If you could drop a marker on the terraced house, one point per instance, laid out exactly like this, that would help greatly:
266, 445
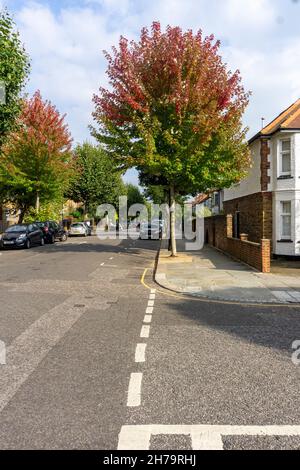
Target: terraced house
266, 204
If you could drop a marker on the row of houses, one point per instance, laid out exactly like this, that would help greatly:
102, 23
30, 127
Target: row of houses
266, 204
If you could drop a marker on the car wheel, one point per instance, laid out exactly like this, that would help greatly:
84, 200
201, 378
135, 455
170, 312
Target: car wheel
64, 238
28, 244
42, 242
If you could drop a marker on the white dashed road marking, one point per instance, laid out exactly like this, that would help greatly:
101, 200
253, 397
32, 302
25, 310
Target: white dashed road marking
134, 390
135, 382
140, 352
203, 437
145, 331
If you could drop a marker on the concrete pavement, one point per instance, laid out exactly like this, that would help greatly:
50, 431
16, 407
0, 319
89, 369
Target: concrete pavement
210, 274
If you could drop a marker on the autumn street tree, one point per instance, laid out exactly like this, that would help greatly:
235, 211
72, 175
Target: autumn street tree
36, 161
97, 179
174, 110
14, 69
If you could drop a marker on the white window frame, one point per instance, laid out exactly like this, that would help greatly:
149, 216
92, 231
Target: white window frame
284, 152
284, 214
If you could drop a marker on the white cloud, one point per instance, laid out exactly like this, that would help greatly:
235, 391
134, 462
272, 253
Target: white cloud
67, 61
65, 43
257, 13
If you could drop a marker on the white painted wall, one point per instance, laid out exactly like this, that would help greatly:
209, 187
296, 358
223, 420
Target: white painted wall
286, 190
292, 248
283, 189
250, 184
297, 159
285, 184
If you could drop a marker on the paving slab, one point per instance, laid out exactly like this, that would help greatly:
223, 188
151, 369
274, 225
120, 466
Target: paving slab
212, 274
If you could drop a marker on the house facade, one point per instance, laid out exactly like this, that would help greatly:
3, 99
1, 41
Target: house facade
266, 204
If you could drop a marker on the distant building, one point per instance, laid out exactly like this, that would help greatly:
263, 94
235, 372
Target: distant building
212, 201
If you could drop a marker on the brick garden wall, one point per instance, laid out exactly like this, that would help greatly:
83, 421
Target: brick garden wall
218, 233
255, 214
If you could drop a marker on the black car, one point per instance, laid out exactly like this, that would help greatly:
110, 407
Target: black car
52, 231
22, 236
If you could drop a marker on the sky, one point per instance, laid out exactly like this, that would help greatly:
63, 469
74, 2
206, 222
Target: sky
66, 38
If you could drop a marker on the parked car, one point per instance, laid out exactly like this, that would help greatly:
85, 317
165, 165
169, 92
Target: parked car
22, 236
79, 228
150, 231
52, 231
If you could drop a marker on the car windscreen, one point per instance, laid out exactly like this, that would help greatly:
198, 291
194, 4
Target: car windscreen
16, 228
77, 225
40, 224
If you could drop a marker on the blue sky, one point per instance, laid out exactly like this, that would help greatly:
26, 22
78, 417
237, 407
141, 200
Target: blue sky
65, 40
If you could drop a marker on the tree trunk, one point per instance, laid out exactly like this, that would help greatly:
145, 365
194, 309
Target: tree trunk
168, 200
172, 221
21, 216
37, 204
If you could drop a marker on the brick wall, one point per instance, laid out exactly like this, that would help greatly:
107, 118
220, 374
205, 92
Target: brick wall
255, 214
218, 233
264, 164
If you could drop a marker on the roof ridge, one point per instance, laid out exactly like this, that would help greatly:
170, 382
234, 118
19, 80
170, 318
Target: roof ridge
291, 117
280, 119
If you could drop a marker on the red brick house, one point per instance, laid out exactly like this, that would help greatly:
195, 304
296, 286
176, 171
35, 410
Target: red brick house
266, 204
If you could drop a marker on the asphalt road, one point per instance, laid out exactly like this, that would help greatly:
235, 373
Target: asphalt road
97, 359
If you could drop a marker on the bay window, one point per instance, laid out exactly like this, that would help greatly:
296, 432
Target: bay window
285, 157
286, 220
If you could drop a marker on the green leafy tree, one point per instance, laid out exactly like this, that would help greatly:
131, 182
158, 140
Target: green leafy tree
97, 179
48, 211
14, 69
134, 195
36, 159
156, 194
174, 111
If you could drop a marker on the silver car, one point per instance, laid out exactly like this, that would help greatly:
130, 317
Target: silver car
78, 229
150, 231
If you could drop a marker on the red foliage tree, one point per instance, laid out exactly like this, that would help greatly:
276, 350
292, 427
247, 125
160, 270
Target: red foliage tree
36, 160
174, 111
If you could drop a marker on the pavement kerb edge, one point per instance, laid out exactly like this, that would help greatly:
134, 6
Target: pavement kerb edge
203, 298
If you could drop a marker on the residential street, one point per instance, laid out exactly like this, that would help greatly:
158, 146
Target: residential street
72, 315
